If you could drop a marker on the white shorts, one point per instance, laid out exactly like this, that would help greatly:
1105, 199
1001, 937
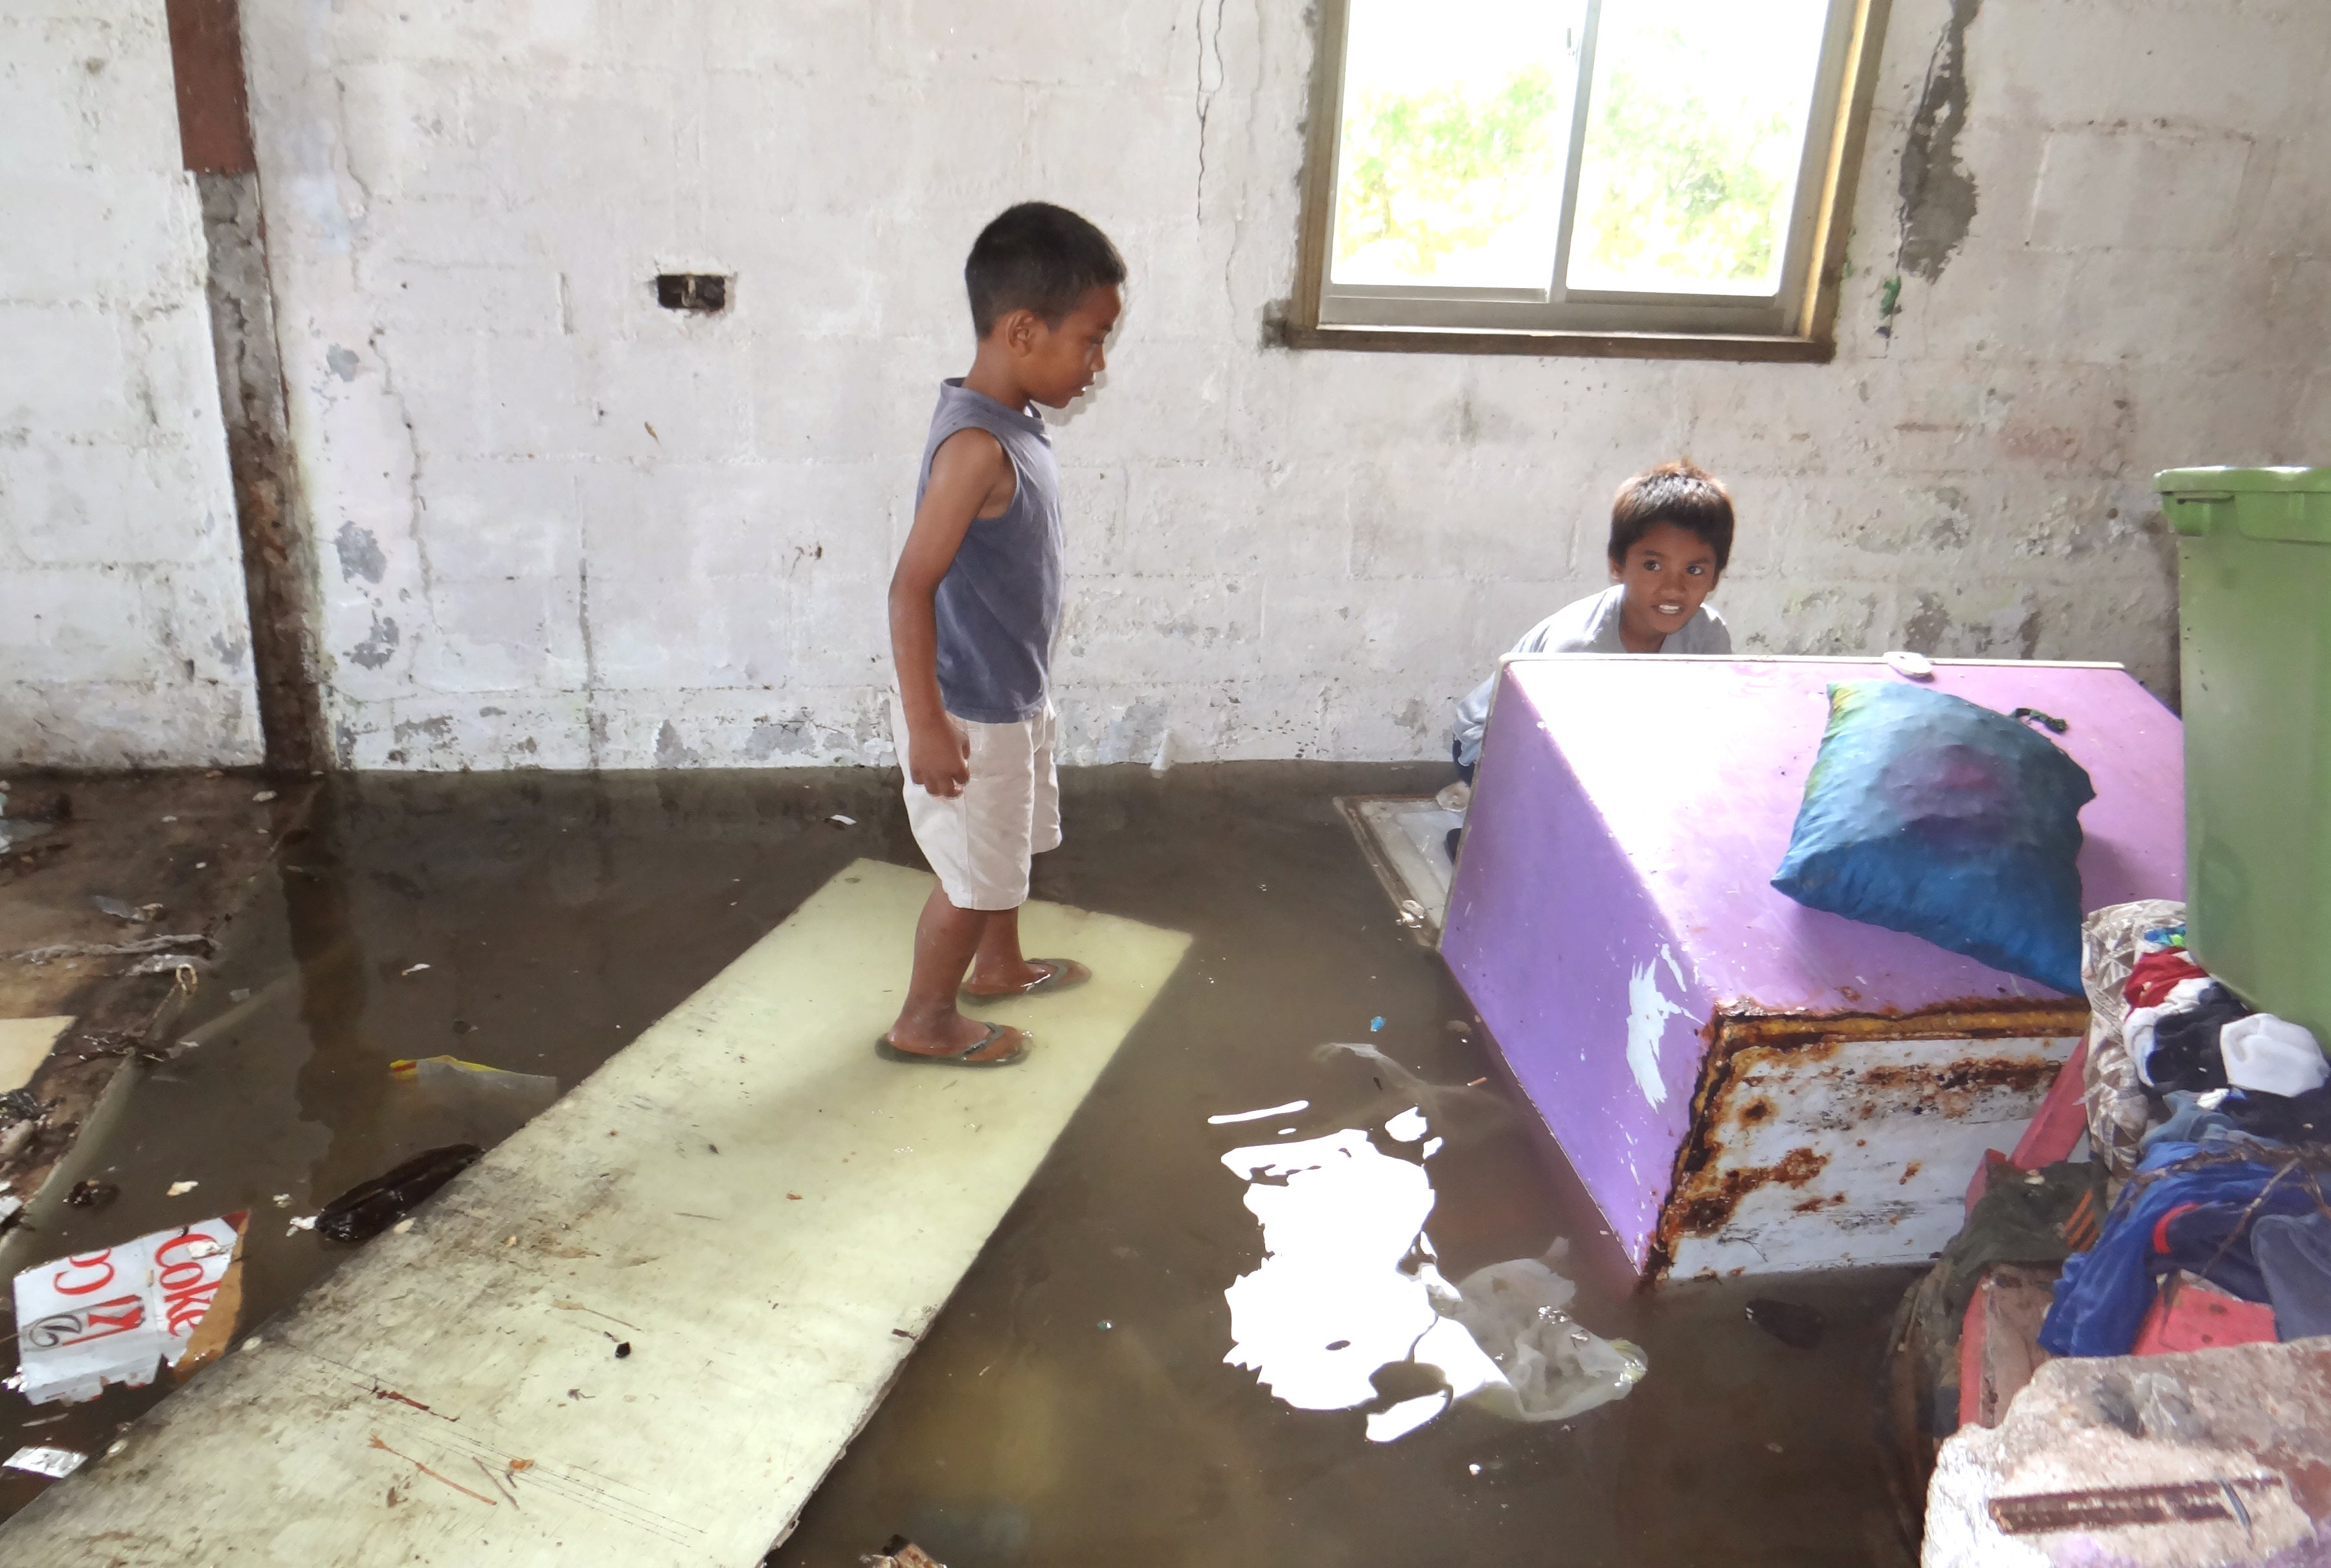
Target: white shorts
979, 841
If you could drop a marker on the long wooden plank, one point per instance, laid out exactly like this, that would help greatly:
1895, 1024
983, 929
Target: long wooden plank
765, 1212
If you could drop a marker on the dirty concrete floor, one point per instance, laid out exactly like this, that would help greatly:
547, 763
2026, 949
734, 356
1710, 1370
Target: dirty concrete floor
557, 915
182, 848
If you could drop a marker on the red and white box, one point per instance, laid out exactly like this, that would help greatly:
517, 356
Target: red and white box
112, 1315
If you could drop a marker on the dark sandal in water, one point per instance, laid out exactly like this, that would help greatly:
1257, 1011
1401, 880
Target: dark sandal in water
1058, 974
967, 1057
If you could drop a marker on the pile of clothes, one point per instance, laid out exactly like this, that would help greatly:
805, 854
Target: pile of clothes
2216, 1118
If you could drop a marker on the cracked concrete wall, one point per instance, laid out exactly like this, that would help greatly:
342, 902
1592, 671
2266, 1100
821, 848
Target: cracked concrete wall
561, 527
124, 637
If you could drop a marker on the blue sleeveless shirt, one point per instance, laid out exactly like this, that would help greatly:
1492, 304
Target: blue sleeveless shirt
999, 603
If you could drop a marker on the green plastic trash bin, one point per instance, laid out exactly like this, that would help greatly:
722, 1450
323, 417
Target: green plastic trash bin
2254, 605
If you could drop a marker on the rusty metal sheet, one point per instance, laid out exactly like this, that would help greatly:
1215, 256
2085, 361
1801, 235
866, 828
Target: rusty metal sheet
1822, 1144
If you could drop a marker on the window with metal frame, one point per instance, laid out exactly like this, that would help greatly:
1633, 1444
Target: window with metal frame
1654, 177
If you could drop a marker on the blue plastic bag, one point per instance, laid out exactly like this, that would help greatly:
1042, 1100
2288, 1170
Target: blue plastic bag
1929, 813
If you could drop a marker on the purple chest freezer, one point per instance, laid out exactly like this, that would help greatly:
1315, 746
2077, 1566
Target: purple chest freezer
1742, 1084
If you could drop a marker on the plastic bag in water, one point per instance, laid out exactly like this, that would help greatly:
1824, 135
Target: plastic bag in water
1517, 1312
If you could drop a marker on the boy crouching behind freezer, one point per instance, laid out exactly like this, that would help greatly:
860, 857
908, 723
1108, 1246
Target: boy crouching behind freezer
1670, 540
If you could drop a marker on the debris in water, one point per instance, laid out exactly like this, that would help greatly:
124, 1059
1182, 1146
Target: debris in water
1348, 1309
187, 967
1465, 1112
1794, 1325
92, 1193
126, 912
411, 970
899, 1552
364, 1211
263, 797
113, 1314
840, 821
1517, 1312
622, 1349
180, 1189
1375, 1024
282, 1200
1104, 1325
55, 1463
450, 1075
192, 942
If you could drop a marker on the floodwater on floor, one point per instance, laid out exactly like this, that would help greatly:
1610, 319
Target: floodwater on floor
1073, 1404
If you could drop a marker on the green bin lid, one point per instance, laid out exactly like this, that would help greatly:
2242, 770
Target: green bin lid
2292, 505
2279, 481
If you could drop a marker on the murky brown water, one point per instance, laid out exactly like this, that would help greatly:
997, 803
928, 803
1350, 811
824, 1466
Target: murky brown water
559, 916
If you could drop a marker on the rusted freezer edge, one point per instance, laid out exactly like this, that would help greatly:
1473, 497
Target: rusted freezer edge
1703, 1194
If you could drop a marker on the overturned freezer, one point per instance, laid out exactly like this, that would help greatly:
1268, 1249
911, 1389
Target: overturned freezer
1744, 1085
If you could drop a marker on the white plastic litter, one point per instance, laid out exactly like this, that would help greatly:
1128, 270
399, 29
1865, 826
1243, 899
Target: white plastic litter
110, 1315
1916, 666
1348, 1287
55, 1463
1554, 1369
2272, 1055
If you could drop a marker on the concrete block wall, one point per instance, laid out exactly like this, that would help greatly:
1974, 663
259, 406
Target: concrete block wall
124, 636
561, 526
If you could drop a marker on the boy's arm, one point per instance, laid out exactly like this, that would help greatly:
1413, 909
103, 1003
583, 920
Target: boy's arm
968, 472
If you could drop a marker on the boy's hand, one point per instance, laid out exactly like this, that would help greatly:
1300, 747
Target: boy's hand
938, 757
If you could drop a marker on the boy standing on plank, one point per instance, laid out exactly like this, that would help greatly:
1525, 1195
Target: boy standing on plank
974, 604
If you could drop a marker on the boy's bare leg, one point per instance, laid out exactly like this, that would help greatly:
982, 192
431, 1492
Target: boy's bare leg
998, 964
945, 938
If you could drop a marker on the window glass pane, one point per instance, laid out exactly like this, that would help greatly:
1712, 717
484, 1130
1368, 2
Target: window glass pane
1456, 131
1694, 134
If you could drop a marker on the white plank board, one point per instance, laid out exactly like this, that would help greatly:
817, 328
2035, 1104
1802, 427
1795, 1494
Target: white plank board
764, 1327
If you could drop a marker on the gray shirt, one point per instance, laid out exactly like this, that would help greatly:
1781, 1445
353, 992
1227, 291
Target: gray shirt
999, 603
1588, 626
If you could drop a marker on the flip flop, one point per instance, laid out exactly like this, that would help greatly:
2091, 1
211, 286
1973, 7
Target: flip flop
1060, 975
889, 1052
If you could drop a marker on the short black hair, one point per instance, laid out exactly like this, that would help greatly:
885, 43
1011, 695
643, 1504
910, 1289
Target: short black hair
1680, 492
1037, 257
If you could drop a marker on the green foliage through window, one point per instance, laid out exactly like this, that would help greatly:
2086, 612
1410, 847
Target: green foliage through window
1677, 185
1442, 171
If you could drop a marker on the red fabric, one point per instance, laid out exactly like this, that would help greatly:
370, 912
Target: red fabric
2056, 1127
2156, 975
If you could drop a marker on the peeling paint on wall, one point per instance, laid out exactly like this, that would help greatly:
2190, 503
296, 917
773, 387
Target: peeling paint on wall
360, 553
378, 648
1938, 195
